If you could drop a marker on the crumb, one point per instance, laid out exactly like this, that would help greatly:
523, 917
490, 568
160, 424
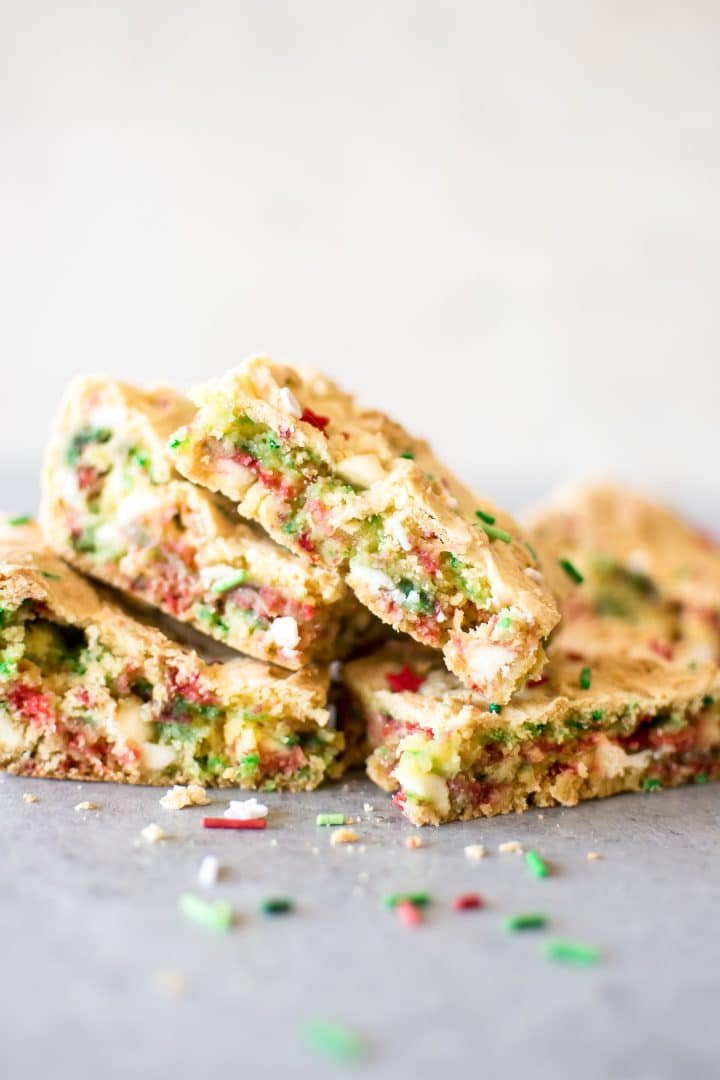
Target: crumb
153, 833
593, 856
363, 877
315, 850
246, 810
368, 807
413, 842
28, 798
475, 851
86, 805
346, 787
273, 841
178, 797
343, 836
362, 849
541, 817
511, 847
169, 982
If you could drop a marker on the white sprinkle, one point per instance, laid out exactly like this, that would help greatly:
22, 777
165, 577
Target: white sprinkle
178, 797
153, 833
368, 807
284, 632
86, 806
289, 402
363, 877
246, 810
28, 798
475, 851
397, 531
315, 850
511, 847
534, 574
209, 871
273, 841
440, 617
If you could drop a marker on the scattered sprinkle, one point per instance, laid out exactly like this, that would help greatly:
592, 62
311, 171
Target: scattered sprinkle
212, 916
532, 921
405, 679
86, 806
368, 807
597, 714
21, 519
651, 783
487, 518
332, 1041
419, 899
537, 866
152, 833
593, 856
29, 798
413, 842
330, 819
468, 902
494, 533
475, 851
408, 456
175, 442
511, 847
408, 913
179, 796
208, 871
571, 952
230, 581
585, 678
233, 823
344, 836
572, 572
493, 707
246, 810
51, 577
276, 905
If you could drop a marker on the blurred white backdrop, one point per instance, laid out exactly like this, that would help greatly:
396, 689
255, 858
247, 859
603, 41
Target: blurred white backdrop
498, 221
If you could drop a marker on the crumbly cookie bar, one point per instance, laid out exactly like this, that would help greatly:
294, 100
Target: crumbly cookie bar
114, 506
641, 564
349, 488
584, 731
87, 692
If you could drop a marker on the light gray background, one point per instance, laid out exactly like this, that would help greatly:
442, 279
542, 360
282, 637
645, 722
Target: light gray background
500, 221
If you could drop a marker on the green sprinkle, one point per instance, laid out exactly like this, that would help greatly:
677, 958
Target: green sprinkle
585, 678
537, 866
216, 916
708, 700
229, 582
51, 577
701, 778
651, 783
21, 519
532, 550
408, 456
330, 819
495, 533
175, 442
493, 707
532, 921
334, 1042
571, 952
487, 518
276, 905
597, 714
419, 899
571, 571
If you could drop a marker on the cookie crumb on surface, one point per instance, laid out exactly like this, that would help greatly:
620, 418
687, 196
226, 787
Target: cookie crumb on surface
152, 833
475, 851
344, 836
179, 796
169, 982
86, 805
511, 847
593, 856
29, 798
368, 807
246, 810
413, 842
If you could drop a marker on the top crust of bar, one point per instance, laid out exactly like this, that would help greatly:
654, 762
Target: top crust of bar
366, 448
442, 704
30, 571
152, 416
645, 537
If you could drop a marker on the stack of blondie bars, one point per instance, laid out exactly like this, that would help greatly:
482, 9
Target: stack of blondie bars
252, 541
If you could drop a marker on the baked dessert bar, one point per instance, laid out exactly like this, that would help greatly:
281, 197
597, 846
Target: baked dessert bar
584, 731
641, 564
114, 506
350, 489
88, 692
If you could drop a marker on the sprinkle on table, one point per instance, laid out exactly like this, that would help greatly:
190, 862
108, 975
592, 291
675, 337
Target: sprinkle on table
494, 533
651, 783
419, 899
571, 952
405, 679
572, 572
529, 921
216, 916
276, 905
208, 871
475, 851
487, 518
330, 819
468, 902
332, 1041
233, 823
511, 847
408, 913
585, 678
21, 519
537, 866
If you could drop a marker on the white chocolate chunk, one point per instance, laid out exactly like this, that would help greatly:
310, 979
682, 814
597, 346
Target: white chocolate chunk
362, 469
284, 632
289, 403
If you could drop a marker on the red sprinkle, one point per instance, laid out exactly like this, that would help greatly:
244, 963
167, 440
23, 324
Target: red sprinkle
468, 902
404, 680
320, 422
662, 648
233, 823
408, 914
